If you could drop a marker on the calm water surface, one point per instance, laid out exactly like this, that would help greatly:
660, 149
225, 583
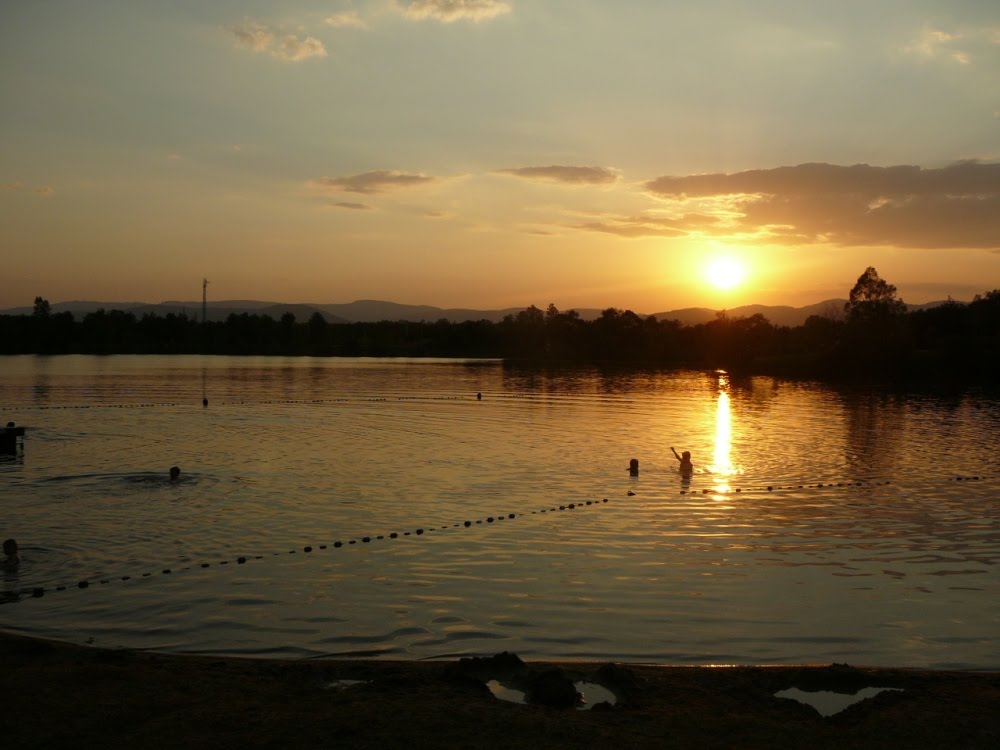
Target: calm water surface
893, 561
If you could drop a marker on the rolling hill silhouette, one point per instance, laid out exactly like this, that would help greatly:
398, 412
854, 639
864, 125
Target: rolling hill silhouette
363, 311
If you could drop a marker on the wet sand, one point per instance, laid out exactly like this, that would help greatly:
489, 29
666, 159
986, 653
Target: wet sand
64, 695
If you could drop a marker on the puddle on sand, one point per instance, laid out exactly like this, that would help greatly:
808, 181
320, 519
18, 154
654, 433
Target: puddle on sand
505, 693
827, 702
343, 684
591, 692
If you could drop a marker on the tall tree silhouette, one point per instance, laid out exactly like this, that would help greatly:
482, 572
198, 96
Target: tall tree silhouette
873, 299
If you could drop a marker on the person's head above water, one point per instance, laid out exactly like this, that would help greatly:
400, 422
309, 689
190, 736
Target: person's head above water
633, 467
175, 472
10, 549
686, 455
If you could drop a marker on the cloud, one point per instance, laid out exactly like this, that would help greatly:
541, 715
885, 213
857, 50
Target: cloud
568, 175
645, 225
371, 182
254, 36
961, 178
352, 206
45, 191
901, 206
449, 11
930, 42
284, 47
349, 20
962, 47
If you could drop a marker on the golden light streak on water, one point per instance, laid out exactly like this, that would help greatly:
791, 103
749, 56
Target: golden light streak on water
722, 463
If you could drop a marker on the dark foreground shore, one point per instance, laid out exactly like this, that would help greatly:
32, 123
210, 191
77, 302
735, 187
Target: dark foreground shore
61, 695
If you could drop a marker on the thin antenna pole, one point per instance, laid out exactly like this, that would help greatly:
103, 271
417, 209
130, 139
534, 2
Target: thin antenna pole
204, 300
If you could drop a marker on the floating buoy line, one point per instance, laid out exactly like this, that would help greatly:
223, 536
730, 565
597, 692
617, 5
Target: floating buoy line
809, 486
281, 402
242, 402
37, 592
276, 401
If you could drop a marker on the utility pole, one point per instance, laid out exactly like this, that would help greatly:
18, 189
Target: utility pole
204, 300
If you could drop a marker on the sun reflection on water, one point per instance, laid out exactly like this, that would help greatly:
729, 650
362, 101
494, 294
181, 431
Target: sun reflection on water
722, 463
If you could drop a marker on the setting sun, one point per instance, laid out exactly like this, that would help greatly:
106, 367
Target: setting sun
725, 273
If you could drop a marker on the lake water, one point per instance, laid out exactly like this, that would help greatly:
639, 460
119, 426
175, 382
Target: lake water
892, 561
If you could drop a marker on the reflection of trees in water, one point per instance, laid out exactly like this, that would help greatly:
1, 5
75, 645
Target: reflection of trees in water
892, 435
545, 380
748, 393
876, 433
576, 379
41, 388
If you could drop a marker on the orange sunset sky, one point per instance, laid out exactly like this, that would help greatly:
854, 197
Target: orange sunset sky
641, 154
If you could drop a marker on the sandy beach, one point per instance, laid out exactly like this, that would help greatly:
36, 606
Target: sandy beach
65, 695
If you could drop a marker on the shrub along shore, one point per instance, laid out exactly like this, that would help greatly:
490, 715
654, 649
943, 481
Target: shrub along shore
875, 339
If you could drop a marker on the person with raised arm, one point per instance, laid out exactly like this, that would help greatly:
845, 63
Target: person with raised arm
686, 467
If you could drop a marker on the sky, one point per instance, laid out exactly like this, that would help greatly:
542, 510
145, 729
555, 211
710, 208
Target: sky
643, 154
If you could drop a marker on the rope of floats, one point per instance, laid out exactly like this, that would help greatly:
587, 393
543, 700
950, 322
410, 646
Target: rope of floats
256, 402
37, 592
243, 402
807, 486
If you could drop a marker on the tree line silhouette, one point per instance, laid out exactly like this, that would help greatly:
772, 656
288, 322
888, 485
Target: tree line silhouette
875, 336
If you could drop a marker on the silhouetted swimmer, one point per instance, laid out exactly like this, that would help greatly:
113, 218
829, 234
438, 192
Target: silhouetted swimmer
11, 554
8, 437
175, 473
686, 468
204, 402
479, 397
633, 467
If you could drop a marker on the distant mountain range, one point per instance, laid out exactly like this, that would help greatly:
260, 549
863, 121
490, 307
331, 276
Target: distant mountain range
374, 310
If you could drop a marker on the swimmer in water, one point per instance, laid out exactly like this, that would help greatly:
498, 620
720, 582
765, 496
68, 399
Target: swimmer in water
175, 473
633, 467
686, 467
12, 555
